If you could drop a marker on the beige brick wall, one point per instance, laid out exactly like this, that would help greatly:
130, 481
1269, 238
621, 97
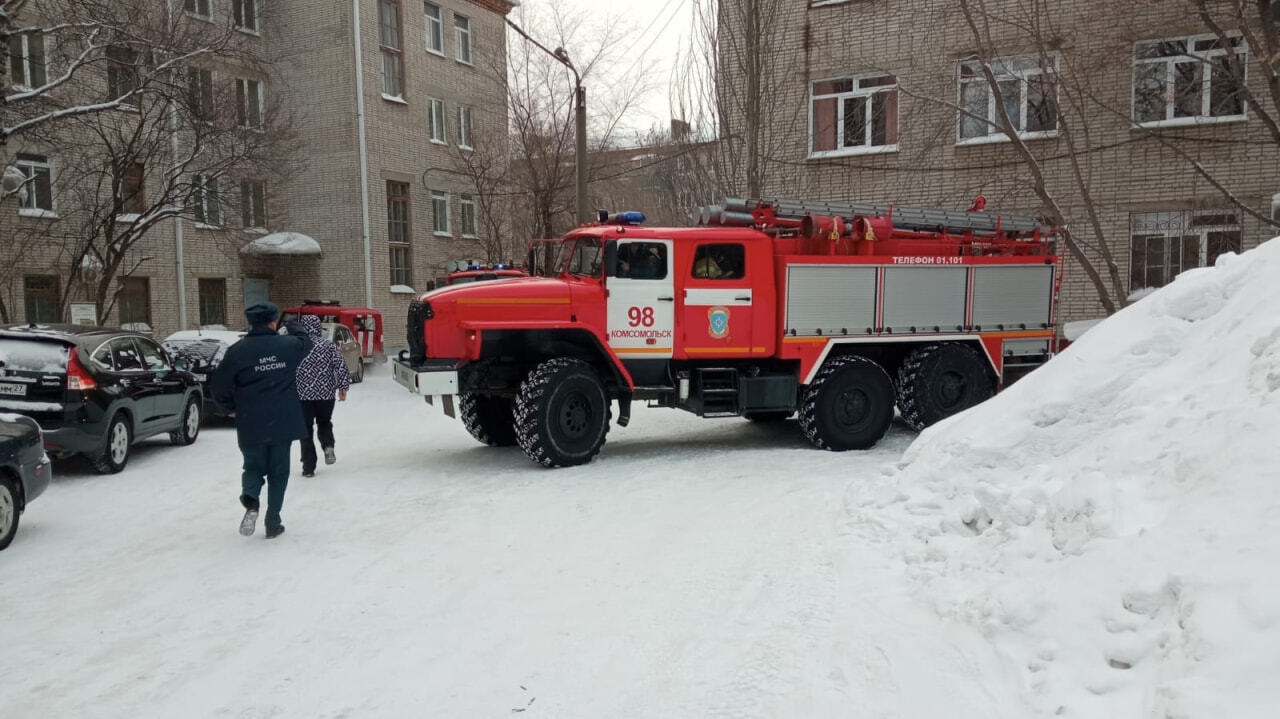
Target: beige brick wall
311, 44
921, 41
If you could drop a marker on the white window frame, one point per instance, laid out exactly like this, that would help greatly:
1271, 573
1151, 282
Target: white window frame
205, 195
393, 54
999, 66
206, 15
1205, 58
29, 166
440, 196
256, 27
24, 39
192, 73
242, 100
467, 203
247, 201
434, 27
464, 127
1178, 224
840, 97
437, 130
462, 40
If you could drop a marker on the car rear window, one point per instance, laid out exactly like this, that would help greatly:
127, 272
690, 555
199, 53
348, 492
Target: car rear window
33, 356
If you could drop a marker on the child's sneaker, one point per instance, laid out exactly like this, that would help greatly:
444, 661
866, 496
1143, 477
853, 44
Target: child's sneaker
329, 456
249, 523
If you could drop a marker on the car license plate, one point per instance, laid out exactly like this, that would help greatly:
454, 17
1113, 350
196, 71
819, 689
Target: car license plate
14, 389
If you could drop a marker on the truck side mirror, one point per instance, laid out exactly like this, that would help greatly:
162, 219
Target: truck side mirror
610, 258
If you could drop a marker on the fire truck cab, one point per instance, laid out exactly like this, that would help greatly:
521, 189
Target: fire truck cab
764, 311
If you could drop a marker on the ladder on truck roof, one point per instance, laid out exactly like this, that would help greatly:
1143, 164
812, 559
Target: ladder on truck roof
917, 219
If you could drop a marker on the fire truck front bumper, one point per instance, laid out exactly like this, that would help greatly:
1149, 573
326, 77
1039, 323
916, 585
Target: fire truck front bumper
428, 378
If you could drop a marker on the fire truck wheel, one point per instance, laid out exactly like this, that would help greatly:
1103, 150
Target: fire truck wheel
488, 418
849, 405
562, 413
937, 381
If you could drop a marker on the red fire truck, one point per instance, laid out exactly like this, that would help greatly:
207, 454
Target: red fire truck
765, 310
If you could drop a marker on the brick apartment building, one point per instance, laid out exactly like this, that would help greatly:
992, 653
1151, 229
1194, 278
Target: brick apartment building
382, 102
864, 98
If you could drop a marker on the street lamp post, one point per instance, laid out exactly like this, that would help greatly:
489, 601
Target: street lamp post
580, 122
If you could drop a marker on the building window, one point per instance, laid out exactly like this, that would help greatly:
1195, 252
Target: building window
464, 127
253, 204
135, 303
389, 39
1026, 89
852, 115
40, 295
462, 38
130, 192
200, 93
435, 28
468, 216
435, 120
398, 236
245, 14
1165, 243
122, 72
199, 8
213, 301
38, 199
250, 103
27, 61
1186, 80
440, 213
205, 203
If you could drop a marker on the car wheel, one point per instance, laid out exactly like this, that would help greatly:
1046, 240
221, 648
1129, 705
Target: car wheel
358, 377
9, 510
115, 455
190, 429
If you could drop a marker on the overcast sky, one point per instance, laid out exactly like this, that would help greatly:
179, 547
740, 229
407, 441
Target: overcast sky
662, 26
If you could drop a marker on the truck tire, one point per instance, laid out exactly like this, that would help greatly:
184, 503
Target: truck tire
562, 413
489, 418
937, 381
849, 405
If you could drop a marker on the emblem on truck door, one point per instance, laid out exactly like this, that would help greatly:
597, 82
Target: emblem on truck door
718, 322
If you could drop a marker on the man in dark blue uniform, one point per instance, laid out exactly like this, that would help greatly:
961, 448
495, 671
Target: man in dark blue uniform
256, 382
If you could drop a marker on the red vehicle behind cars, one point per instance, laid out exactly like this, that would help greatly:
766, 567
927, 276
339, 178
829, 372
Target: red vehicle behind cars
364, 323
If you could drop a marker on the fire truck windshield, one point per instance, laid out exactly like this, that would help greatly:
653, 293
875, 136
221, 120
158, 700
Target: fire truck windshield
585, 258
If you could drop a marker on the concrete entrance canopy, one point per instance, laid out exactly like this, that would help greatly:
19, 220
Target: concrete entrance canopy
282, 243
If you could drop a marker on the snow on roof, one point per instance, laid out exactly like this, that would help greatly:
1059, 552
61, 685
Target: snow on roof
226, 336
402, 290
282, 243
1108, 522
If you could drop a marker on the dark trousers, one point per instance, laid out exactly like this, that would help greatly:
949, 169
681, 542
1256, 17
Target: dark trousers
266, 464
319, 416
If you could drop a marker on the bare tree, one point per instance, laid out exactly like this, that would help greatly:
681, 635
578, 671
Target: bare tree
540, 96
486, 167
157, 139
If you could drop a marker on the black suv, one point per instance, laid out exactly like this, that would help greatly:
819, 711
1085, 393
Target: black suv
96, 391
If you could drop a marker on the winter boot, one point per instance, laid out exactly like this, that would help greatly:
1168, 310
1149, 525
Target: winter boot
329, 456
250, 521
273, 532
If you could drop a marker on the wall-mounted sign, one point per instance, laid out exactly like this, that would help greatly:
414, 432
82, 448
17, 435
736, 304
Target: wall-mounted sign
84, 313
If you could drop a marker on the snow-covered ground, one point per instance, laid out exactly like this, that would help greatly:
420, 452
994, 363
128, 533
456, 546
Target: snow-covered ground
1094, 542
697, 568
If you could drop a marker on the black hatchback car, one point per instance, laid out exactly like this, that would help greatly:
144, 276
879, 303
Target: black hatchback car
96, 391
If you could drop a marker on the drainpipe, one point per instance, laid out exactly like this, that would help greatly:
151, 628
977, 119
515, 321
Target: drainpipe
180, 264
364, 157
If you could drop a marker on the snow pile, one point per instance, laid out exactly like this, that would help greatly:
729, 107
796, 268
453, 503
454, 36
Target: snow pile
282, 243
1106, 522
